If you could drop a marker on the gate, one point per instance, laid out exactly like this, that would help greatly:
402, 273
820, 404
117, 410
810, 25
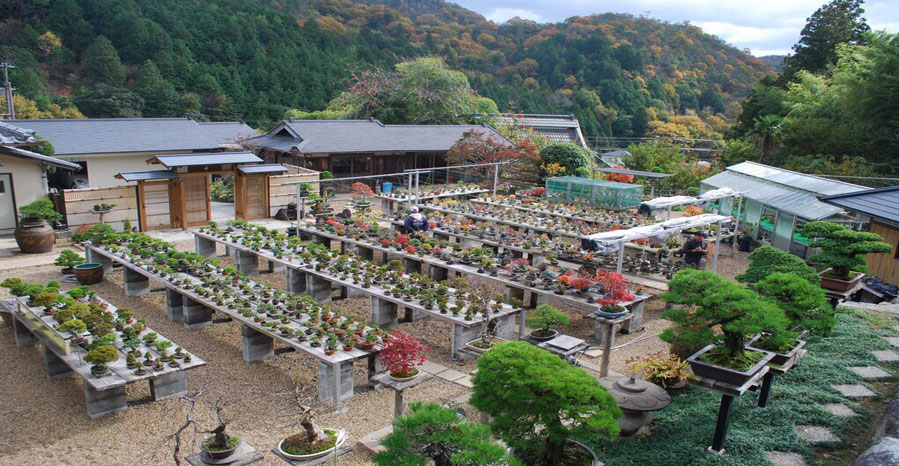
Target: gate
256, 197
196, 203
155, 208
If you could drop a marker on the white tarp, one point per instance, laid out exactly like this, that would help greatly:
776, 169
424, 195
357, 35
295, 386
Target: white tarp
608, 241
708, 196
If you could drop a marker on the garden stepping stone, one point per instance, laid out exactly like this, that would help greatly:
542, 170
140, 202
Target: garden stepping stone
451, 375
465, 382
372, 441
893, 340
886, 355
896, 328
816, 434
839, 409
854, 391
432, 368
871, 372
780, 458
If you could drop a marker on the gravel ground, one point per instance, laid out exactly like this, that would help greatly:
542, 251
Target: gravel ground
45, 422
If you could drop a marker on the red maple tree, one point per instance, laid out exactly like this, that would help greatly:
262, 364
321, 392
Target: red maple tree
401, 353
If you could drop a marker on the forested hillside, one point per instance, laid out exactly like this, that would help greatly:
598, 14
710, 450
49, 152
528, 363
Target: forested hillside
252, 60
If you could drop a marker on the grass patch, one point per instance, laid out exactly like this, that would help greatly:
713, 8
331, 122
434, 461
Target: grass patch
683, 430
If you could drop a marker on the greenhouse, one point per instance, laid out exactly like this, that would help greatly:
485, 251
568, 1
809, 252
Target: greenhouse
607, 194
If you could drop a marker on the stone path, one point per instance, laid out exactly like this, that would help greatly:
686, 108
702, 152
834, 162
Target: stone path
854, 391
871, 372
816, 434
447, 374
886, 355
839, 409
779, 458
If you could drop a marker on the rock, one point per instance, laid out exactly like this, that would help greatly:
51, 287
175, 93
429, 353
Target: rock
883, 453
889, 421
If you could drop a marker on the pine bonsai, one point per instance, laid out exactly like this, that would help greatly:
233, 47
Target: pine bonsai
101, 355
724, 314
68, 259
538, 401
546, 318
40, 210
842, 249
803, 303
767, 260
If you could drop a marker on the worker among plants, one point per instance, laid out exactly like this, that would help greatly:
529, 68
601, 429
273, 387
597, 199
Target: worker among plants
694, 250
416, 222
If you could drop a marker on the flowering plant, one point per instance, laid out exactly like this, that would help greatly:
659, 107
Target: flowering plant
333, 223
385, 242
401, 353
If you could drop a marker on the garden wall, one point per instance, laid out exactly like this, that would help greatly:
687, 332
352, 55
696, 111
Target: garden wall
281, 193
79, 202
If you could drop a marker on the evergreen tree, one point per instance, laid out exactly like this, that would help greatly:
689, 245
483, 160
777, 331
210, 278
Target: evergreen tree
160, 98
838, 22
101, 63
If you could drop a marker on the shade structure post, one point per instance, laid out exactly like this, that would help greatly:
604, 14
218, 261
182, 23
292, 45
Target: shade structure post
495, 178
417, 186
620, 256
717, 246
409, 197
737, 222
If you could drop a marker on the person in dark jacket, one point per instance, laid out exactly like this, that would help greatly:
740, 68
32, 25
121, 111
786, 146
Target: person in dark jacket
694, 250
416, 222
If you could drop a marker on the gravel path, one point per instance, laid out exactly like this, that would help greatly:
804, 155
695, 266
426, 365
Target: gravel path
45, 422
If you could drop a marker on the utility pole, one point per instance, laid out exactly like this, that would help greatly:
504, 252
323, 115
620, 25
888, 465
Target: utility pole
10, 108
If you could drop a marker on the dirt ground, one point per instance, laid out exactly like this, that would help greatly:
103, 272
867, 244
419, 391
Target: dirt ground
45, 422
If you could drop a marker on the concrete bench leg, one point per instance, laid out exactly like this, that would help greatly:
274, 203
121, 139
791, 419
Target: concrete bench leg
505, 327
331, 380
383, 312
318, 288
168, 385
537, 259
136, 284
196, 315
514, 292
600, 331
411, 266
438, 273
296, 281
256, 345
350, 292
441, 236
463, 335
636, 320
364, 253
23, 336
97, 258
247, 263
56, 368
412, 315
101, 403
174, 302
205, 247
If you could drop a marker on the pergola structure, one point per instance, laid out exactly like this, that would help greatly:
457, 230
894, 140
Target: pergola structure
178, 196
726, 198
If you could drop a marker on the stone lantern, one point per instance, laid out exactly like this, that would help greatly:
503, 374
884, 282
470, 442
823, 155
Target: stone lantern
636, 398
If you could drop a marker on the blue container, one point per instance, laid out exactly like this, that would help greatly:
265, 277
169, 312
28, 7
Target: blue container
386, 187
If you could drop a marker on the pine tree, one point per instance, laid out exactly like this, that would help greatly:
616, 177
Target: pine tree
838, 22
101, 63
160, 98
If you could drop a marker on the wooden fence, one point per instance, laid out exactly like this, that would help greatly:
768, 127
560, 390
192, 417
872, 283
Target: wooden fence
79, 202
281, 193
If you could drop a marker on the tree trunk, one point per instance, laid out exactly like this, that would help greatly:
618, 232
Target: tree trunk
552, 453
315, 435
734, 342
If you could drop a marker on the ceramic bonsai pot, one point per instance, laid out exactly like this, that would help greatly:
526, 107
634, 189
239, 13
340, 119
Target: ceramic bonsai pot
35, 237
535, 335
780, 359
835, 284
89, 274
724, 374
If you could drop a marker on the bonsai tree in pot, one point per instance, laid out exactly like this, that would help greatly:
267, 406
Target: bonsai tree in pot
767, 260
362, 193
33, 234
717, 318
432, 432
99, 356
842, 250
68, 259
401, 353
545, 318
538, 402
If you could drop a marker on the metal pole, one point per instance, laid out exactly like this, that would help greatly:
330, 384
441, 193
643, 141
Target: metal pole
717, 246
495, 178
409, 196
299, 203
620, 256
417, 186
736, 223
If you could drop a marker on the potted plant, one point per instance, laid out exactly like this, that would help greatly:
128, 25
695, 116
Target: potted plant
99, 356
68, 259
313, 442
361, 194
33, 234
664, 371
842, 252
400, 354
545, 318
219, 445
723, 315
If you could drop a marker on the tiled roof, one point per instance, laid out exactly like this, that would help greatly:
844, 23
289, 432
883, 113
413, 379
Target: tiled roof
557, 128
209, 158
111, 135
266, 168
147, 175
347, 136
27, 154
12, 135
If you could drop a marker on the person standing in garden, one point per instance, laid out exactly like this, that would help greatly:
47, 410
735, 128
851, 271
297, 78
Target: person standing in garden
416, 222
694, 250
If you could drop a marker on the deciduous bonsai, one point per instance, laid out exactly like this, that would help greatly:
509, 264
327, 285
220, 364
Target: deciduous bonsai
842, 249
401, 353
538, 402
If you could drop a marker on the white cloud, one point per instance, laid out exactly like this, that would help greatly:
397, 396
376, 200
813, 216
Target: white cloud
501, 15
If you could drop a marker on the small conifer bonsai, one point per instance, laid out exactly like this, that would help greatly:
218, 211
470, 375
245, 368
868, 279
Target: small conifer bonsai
767, 260
842, 249
545, 319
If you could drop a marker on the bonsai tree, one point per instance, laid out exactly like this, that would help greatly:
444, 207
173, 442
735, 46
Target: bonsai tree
362, 192
432, 432
724, 314
73, 326
803, 303
767, 260
545, 318
101, 355
38, 211
842, 249
68, 259
538, 401
401, 353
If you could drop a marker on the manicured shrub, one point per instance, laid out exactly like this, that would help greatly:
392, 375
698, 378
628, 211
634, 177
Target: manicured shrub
803, 303
842, 249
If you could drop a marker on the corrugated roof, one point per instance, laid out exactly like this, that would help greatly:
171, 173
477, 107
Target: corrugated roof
784, 190
558, 128
266, 168
616, 153
147, 175
12, 135
207, 158
635, 172
40, 158
111, 135
881, 203
346, 136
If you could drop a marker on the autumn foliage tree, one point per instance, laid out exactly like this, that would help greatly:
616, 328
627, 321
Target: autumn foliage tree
482, 147
401, 353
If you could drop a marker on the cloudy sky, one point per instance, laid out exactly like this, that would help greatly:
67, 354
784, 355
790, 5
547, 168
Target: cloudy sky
766, 27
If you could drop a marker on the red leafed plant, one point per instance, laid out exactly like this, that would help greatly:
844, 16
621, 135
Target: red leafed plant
615, 286
581, 283
361, 191
620, 177
402, 239
401, 353
333, 223
410, 249
538, 191
432, 225
385, 242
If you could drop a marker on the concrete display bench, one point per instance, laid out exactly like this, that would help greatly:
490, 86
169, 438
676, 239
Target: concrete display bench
539, 212
393, 203
384, 308
527, 227
102, 395
257, 340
